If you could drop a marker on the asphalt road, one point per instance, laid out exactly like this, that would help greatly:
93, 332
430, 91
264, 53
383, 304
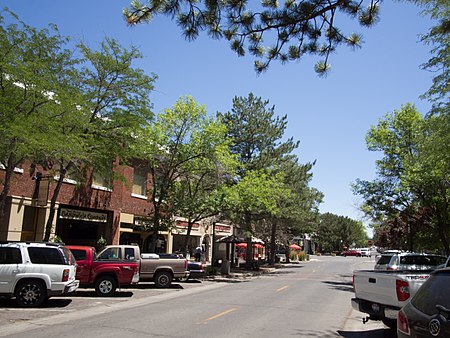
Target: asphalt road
310, 299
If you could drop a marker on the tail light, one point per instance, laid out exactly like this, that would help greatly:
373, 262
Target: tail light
185, 264
402, 289
402, 323
65, 275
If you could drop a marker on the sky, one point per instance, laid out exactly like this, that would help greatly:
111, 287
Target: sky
329, 116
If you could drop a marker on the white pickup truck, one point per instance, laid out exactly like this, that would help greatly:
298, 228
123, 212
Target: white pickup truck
381, 294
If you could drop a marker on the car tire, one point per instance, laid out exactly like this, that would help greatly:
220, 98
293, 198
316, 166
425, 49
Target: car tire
105, 286
163, 279
391, 323
31, 293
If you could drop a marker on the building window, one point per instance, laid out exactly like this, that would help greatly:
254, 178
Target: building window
101, 182
140, 181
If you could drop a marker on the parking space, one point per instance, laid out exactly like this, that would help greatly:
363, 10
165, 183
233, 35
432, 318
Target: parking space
85, 299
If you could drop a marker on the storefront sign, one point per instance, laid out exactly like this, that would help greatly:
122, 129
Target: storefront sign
83, 215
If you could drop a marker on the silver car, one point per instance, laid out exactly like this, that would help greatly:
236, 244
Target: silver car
409, 261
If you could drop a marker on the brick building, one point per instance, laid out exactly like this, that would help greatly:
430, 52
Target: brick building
85, 213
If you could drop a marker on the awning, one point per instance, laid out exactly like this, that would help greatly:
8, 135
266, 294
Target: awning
255, 245
295, 247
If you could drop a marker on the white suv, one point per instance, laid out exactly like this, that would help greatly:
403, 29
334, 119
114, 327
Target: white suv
33, 272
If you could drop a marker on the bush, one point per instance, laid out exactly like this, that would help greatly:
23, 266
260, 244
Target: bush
101, 243
303, 256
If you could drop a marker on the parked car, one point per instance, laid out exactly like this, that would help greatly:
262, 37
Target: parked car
428, 312
280, 257
365, 252
351, 253
107, 272
152, 267
33, 272
196, 270
381, 294
409, 261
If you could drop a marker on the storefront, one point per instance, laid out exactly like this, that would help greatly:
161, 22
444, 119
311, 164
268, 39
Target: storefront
79, 226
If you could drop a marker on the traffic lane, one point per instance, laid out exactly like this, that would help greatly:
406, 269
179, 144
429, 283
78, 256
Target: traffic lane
84, 299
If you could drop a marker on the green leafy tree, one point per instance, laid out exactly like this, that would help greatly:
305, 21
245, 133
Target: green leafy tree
187, 154
292, 29
113, 103
35, 86
439, 38
260, 147
336, 232
411, 192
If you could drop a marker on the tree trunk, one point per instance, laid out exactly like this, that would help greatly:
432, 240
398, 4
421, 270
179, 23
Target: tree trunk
273, 243
6, 188
187, 238
51, 216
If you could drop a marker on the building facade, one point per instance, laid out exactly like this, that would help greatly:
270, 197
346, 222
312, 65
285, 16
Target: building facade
85, 213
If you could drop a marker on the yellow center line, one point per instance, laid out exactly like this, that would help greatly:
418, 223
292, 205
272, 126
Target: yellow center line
218, 315
282, 288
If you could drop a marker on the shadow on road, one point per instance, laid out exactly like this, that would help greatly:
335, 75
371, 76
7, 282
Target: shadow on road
340, 286
51, 303
377, 333
150, 285
90, 293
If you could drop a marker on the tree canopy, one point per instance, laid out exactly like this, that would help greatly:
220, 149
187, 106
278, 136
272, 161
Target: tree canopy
271, 30
411, 192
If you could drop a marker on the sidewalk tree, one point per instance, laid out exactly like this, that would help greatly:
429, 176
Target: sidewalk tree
291, 29
187, 152
113, 103
260, 146
411, 191
35, 81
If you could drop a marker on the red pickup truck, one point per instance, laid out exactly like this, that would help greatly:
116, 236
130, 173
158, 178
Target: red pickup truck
105, 274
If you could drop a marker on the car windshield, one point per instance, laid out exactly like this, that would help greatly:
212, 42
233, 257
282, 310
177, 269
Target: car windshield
433, 292
384, 259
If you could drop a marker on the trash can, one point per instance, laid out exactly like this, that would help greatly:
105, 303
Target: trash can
225, 267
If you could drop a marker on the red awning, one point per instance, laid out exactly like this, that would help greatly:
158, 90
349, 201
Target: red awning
295, 247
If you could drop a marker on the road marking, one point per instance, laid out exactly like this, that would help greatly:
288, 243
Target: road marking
282, 288
218, 315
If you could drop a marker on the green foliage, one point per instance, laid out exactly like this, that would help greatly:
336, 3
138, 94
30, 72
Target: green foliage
410, 195
334, 232
101, 244
188, 157
291, 30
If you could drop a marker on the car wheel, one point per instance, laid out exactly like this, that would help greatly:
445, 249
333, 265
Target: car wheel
105, 286
163, 279
391, 323
30, 293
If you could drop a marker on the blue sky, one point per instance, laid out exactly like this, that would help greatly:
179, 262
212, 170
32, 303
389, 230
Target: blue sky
329, 116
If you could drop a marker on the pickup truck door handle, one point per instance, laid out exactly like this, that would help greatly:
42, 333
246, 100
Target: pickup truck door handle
128, 267
372, 280
15, 271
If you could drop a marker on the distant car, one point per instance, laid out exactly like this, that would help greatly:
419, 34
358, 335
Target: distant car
351, 253
410, 261
426, 315
196, 270
281, 258
365, 252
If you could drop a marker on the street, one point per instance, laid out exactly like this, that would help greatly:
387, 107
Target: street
309, 299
